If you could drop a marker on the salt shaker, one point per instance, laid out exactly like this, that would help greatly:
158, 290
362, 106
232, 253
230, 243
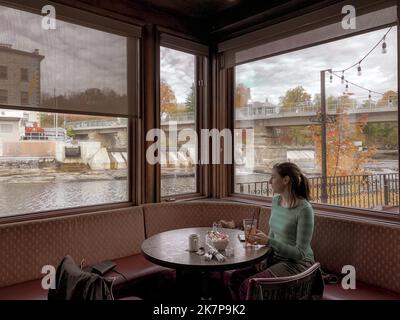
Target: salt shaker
194, 242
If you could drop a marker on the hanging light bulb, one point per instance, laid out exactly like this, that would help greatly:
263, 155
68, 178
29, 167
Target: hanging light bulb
359, 69
347, 86
331, 77
369, 95
342, 77
384, 46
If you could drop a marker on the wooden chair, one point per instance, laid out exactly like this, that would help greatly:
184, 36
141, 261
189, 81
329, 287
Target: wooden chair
307, 285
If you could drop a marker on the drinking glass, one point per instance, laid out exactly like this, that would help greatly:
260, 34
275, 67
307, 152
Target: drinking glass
250, 229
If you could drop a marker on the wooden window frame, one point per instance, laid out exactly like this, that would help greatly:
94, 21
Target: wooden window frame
180, 42
341, 212
133, 35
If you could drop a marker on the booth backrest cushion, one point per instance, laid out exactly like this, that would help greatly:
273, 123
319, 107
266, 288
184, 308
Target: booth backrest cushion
168, 216
265, 214
26, 247
372, 249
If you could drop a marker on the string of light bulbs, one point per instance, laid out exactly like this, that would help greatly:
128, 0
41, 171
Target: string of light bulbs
356, 85
384, 51
359, 71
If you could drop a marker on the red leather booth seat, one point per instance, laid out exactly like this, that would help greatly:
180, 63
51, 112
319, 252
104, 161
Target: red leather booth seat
136, 269
117, 235
363, 291
29, 290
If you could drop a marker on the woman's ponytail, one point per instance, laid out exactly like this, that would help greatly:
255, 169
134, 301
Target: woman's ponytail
304, 187
300, 185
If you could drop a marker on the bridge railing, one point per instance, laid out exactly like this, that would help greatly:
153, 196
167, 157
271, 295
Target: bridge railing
96, 123
358, 191
309, 108
297, 109
181, 117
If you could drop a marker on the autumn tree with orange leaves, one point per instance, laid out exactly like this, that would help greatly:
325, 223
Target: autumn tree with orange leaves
387, 98
167, 98
295, 97
242, 95
343, 156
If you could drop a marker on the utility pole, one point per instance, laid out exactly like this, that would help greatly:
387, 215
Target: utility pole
56, 115
324, 193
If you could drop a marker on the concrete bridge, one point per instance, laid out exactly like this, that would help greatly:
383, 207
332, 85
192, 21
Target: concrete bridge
263, 119
267, 116
111, 133
300, 115
100, 126
303, 115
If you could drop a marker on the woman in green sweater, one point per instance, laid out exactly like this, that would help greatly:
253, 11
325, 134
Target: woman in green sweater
291, 228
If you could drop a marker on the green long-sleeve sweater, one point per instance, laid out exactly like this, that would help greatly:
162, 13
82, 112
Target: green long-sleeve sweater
291, 231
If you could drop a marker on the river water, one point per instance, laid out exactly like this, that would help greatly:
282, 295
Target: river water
23, 197
20, 198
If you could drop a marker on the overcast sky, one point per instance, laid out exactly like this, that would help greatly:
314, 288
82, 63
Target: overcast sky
272, 77
177, 69
77, 58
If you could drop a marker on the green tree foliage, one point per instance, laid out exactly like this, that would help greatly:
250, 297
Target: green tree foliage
295, 136
295, 97
71, 133
190, 100
93, 98
90, 99
383, 135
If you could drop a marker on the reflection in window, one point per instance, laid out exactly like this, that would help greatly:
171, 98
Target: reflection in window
54, 161
281, 98
178, 106
84, 68
51, 160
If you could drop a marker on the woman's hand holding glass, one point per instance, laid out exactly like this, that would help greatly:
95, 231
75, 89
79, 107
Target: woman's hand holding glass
258, 238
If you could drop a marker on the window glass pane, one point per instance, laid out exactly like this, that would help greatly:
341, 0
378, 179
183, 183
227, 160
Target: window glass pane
24, 98
178, 109
85, 68
3, 96
280, 99
53, 161
3, 72
24, 74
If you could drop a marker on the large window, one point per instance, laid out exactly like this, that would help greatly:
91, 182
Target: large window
178, 120
280, 99
53, 161
74, 151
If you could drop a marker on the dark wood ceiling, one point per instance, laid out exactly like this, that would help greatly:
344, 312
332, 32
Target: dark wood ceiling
219, 17
192, 8
209, 21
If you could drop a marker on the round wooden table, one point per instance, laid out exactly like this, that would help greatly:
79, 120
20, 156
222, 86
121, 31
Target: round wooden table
170, 249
